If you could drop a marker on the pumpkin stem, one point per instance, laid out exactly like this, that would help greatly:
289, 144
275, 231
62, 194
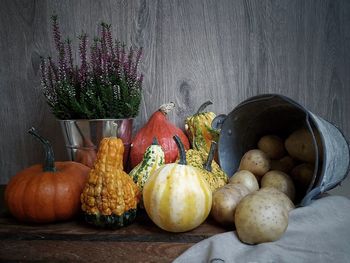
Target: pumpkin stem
203, 106
167, 107
49, 164
181, 148
155, 141
207, 164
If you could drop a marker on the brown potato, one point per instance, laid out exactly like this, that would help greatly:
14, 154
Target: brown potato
260, 218
272, 145
279, 180
300, 145
225, 200
246, 178
284, 164
283, 198
255, 161
303, 175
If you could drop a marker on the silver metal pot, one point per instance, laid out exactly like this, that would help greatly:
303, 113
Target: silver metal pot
84, 136
277, 114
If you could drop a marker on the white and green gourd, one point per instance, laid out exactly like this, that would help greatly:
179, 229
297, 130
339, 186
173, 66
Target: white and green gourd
153, 158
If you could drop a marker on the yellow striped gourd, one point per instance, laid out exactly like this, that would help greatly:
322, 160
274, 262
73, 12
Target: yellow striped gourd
176, 196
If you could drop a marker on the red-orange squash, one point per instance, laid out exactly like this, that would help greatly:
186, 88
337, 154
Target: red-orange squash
46, 193
86, 157
160, 127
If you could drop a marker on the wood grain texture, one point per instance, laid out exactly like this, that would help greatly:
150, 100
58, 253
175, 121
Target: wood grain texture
225, 51
64, 251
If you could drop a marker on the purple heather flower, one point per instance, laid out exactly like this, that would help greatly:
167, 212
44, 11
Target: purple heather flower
136, 64
110, 41
62, 64
43, 72
94, 56
56, 33
122, 55
53, 68
140, 80
83, 72
107, 64
130, 60
70, 55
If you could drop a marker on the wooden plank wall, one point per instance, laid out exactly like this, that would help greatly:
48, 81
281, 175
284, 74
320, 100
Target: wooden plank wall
225, 51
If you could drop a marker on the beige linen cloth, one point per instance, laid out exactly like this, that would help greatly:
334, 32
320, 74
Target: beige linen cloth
318, 233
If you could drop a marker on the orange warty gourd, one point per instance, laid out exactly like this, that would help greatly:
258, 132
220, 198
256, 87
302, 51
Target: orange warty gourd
110, 196
160, 127
46, 193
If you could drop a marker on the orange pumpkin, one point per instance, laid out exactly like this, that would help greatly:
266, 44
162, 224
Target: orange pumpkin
46, 193
158, 126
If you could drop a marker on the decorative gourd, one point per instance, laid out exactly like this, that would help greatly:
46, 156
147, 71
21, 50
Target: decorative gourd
176, 196
46, 193
152, 160
110, 196
198, 128
211, 171
160, 127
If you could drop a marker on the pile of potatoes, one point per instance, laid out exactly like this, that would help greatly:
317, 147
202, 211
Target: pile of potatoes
270, 179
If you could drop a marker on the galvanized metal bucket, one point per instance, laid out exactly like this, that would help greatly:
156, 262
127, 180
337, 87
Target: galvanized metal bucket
82, 137
277, 114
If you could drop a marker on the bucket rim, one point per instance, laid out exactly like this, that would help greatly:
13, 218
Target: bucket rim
324, 154
268, 96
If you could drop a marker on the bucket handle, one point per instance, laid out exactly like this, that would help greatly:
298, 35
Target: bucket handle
218, 121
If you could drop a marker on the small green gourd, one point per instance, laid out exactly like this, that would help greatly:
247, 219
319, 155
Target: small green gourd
211, 171
153, 158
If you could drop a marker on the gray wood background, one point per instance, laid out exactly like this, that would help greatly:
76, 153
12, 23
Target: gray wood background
222, 50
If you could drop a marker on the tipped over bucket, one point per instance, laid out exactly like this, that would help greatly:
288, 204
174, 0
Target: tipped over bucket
277, 114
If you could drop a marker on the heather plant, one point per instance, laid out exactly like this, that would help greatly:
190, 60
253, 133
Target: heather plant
105, 84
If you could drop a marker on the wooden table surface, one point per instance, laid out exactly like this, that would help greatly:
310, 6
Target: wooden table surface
74, 241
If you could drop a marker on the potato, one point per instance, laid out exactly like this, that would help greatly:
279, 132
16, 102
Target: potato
283, 198
279, 180
272, 145
225, 200
260, 218
285, 164
246, 178
303, 175
300, 145
255, 161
